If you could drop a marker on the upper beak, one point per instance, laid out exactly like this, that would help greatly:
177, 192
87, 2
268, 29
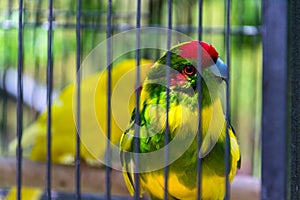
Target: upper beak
220, 69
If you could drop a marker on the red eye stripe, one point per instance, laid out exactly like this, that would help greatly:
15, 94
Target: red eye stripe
189, 70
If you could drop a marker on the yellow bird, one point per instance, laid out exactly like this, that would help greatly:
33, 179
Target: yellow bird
93, 118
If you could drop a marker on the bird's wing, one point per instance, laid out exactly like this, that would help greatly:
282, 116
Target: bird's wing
128, 166
150, 139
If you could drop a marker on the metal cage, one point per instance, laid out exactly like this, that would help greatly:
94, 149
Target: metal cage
45, 43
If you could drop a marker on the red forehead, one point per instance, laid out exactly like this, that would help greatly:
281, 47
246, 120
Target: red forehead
189, 50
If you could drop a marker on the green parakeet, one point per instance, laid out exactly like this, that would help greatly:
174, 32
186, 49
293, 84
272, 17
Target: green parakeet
183, 127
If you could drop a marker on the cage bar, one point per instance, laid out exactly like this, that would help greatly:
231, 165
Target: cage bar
109, 66
199, 88
167, 131
137, 106
78, 101
274, 104
293, 100
20, 102
49, 96
227, 110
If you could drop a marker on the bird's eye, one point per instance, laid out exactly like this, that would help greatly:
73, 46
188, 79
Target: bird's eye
189, 70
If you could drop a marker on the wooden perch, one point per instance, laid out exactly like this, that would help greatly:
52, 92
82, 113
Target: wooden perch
93, 179
63, 177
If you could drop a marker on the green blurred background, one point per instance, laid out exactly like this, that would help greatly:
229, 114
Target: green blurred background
246, 52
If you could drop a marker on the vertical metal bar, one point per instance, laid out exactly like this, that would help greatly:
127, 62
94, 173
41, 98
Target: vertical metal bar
227, 112
137, 110
199, 88
78, 100
20, 101
274, 126
49, 97
109, 65
294, 98
167, 132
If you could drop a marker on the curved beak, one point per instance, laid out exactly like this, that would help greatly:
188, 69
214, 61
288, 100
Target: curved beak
220, 69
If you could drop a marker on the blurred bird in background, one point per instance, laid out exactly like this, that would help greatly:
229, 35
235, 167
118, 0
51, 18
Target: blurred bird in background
93, 120
94, 96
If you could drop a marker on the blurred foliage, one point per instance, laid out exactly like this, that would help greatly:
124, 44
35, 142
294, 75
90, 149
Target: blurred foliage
245, 52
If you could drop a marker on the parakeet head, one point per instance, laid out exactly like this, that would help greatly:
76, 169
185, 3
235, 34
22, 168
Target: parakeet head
184, 70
